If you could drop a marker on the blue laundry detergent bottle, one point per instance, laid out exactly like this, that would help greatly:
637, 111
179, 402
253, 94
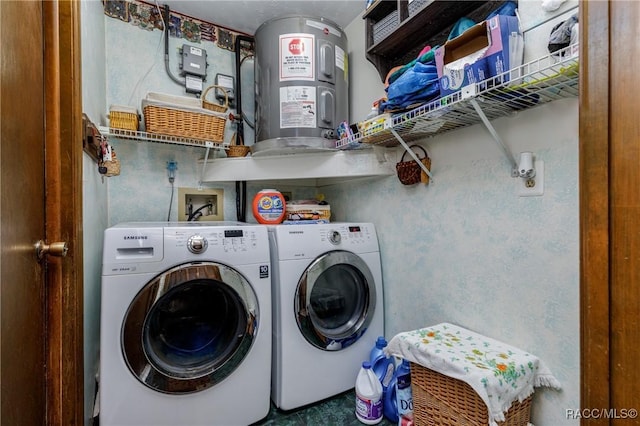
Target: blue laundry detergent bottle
384, 368
382, 365
404, 398
390, 405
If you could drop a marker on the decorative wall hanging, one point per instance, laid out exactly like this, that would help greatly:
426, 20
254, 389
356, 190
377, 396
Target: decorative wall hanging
147, 16
117, 9
226, 39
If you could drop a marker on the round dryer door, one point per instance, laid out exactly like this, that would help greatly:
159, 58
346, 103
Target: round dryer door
335, 300
190, 327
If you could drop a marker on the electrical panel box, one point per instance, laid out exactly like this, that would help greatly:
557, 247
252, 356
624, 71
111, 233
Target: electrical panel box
194, 61
228, 82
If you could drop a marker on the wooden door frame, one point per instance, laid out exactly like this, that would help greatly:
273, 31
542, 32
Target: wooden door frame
608, 149
594, 204
63, 187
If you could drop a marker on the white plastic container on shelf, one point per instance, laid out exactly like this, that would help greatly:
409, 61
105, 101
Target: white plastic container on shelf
368, 396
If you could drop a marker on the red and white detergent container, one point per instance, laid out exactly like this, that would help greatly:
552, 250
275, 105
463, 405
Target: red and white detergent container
269, 207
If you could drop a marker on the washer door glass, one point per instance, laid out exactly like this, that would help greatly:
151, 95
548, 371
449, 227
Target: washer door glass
335, 300
190, 327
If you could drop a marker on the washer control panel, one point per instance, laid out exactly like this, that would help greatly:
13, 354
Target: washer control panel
227, 240
139, 249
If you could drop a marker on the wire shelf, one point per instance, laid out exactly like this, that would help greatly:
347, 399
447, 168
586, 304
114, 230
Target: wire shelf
533, 84
158, 138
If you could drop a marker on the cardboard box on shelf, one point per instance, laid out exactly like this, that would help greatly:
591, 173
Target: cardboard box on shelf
307, 212
368, 128
486, 50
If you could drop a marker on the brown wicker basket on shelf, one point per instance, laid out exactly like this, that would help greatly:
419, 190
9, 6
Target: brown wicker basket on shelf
184, 123
214, 106
125, 118
440, 400
237, 150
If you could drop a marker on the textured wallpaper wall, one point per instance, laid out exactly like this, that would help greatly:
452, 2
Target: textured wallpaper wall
94, 196
468, 250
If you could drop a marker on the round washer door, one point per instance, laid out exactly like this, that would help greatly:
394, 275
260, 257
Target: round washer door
335, 300
190, 327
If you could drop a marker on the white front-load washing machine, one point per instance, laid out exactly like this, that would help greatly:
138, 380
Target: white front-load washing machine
185, 324
327, 308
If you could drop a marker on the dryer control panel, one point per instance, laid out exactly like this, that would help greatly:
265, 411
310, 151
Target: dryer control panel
308, 241
351, 235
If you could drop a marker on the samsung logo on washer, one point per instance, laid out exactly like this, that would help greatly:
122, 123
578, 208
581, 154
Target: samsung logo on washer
296, 232
135, 237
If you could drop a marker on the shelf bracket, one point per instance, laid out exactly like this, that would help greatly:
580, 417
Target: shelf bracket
208, 145
496, 137
411, 153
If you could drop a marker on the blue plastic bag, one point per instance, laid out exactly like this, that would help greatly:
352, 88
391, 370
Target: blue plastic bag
418, 84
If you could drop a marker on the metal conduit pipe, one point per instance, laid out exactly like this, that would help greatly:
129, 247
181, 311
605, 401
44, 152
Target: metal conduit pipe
167, 17
241, 186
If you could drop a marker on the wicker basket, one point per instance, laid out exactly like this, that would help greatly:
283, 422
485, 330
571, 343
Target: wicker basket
184, 123
122, 117
214, 106
113, 167
440, 400
238, 151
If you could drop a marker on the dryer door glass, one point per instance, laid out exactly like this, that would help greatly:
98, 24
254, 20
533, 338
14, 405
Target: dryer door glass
335, 300
190, 327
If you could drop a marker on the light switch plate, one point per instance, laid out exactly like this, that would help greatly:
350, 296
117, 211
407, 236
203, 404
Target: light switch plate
537, 189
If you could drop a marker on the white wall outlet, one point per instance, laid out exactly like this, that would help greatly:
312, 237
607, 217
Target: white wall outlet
532, 187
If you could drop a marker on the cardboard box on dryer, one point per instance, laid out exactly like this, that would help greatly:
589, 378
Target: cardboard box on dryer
307, 212
485, 50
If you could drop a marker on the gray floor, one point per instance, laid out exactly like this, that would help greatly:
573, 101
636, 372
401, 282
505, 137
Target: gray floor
336, 411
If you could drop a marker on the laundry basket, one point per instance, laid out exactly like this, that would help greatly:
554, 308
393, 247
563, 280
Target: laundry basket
463, 378
440, 400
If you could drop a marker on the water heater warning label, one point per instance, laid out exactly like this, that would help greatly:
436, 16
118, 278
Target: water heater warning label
297, 107
297, 57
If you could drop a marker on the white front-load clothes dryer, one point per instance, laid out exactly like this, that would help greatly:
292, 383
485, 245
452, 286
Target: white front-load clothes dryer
327, 308
185, 324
